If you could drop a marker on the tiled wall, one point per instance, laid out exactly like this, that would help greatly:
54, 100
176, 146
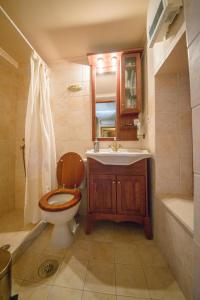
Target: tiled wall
174, 172
177, 245
172, 148
13, 99
8, 94
192, 12
21, 103
72, 111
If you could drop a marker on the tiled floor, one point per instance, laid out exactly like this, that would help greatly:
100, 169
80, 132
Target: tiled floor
13, 230
115, 262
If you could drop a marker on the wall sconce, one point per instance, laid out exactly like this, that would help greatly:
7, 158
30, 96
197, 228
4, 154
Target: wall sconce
75, 87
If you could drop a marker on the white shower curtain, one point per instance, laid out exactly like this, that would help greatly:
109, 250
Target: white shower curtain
40, 151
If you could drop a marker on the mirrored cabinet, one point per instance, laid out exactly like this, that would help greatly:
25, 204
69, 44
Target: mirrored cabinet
116, 94
130, 100
105, 102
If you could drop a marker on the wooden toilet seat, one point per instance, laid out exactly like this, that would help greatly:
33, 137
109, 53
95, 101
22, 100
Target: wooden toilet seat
44, 204
70, 174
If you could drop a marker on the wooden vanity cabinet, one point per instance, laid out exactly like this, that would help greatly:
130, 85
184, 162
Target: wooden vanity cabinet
118, 193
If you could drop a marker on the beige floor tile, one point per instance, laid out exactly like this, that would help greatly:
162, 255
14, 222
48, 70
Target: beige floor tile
130, 281
150, 254
16, 285
129, 233
97, 296
81, 235
103, 232
71, 273
24, 266
100, 277
80, 249
102, 251
173, 293
41, 242
12, 229
61, 293
161, 284
50, 249
127, 254
30, 291
130, 298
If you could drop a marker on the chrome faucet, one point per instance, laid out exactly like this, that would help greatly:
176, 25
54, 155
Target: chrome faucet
115, 146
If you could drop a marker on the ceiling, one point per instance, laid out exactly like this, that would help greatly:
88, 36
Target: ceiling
68, 29
12, 42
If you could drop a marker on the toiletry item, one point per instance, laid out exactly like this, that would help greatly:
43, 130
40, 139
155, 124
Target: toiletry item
96, 145
128, 102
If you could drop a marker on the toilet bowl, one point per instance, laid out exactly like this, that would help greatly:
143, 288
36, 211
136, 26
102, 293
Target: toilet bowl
59, 206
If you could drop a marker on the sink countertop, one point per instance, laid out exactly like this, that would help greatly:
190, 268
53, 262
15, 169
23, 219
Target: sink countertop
120, 157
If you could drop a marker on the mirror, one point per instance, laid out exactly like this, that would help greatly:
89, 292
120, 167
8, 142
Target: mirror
105, 102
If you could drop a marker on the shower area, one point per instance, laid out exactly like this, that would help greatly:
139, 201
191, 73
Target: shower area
14, 85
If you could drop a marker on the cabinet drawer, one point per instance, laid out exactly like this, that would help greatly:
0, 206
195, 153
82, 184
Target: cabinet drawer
138, 168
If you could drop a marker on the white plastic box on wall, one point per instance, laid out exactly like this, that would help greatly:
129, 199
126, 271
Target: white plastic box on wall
161, 14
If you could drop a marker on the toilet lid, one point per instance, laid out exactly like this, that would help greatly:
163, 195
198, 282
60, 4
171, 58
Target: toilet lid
70, 170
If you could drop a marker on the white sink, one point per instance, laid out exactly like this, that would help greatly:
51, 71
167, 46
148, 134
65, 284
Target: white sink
120, 157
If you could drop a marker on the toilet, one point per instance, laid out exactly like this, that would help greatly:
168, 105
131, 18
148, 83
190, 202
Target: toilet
59, 206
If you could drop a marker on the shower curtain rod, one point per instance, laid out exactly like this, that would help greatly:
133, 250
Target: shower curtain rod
19, 31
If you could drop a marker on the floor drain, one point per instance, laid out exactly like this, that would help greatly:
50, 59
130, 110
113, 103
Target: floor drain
5, 247
48, 268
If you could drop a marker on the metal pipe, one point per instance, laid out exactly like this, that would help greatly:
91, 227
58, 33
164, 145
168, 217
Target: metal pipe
22, 147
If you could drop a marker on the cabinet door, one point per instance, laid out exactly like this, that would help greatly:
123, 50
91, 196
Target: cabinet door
131, 195
130, 84
102, 193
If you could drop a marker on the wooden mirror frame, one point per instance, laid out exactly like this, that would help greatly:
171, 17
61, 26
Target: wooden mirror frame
92, 58
125, 131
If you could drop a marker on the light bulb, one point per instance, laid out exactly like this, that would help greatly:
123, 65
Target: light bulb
100, 62
114, 60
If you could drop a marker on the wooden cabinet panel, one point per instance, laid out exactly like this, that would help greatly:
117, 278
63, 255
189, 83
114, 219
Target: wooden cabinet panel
131, 195
126, 87
137, 168
118, 193
102, 193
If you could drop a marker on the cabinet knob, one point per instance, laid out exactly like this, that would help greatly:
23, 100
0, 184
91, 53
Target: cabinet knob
118, 182
113, 182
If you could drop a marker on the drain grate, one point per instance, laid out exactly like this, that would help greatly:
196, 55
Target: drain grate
48, 268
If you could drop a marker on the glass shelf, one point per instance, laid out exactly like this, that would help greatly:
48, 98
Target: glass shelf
129, 87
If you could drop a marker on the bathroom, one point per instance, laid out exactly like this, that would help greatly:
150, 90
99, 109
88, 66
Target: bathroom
116, 260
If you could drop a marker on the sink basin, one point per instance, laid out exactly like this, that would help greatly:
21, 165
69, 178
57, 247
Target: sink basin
120, 157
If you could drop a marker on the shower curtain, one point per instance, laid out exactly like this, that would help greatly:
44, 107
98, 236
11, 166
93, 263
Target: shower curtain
40, 151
